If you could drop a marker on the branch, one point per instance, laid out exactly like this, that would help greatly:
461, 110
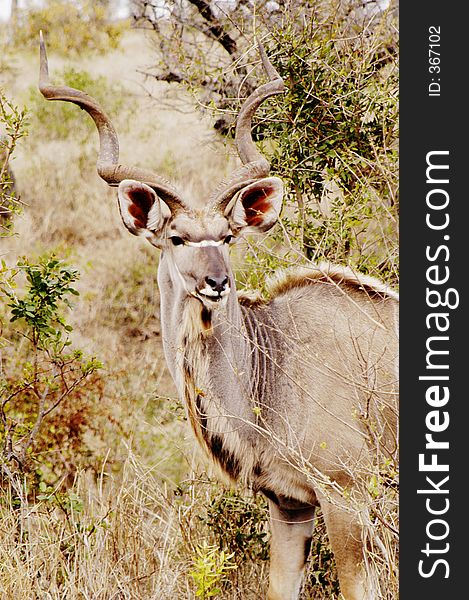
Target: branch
215, 29
216, 87
37, 424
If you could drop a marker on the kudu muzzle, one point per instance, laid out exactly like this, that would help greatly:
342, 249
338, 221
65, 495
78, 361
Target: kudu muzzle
214, 285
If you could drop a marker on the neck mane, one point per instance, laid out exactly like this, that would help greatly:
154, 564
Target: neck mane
210, 355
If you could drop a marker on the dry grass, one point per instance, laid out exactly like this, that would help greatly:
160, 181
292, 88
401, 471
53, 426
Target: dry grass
125, 537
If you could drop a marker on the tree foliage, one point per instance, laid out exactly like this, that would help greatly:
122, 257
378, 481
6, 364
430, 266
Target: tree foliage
335, 143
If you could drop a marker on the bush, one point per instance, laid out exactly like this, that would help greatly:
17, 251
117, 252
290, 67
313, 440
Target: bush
70, 27
238, 524
14, 122
43, 412
210, 570
334, 142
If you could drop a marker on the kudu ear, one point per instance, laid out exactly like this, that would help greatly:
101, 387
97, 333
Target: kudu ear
144, 213
257, 206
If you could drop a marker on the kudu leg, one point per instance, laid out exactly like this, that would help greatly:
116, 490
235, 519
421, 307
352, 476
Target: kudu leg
345, 536
291, 530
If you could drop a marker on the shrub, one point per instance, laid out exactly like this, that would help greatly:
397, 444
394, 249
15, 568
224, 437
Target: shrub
70, 27
238, 524
210, 569
14, 121
334, 141
44, 380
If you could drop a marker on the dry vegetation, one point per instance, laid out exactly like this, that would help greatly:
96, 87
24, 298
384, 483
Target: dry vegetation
128, 510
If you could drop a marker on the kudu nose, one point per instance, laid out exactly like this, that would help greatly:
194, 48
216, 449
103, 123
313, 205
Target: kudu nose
218, 284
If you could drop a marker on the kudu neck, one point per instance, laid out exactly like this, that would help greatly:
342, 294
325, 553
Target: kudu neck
221, 372
185, 318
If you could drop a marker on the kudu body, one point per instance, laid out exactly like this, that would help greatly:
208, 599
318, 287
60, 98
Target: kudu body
275, 389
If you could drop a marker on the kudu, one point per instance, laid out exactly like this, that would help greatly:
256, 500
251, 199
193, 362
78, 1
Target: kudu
276, 388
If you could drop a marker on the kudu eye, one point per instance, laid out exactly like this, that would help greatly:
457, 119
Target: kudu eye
176, 240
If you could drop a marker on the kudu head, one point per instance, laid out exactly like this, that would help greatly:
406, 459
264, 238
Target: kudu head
195, 242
